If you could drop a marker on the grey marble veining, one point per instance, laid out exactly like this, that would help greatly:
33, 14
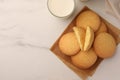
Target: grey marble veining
16, 18
27, 31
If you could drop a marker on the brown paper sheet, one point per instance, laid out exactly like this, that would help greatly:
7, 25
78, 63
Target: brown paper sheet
66, 59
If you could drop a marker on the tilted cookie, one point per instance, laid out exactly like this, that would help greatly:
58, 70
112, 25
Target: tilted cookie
89, 38
80, 35
85, 38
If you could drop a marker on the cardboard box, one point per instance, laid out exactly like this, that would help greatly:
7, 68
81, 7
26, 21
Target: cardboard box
66, 59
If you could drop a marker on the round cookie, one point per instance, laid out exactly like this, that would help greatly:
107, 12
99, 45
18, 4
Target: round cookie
84, 59
68, 44
102, 28
104, 45
88, 18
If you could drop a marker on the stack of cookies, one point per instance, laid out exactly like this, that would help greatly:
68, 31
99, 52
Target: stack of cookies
89, 40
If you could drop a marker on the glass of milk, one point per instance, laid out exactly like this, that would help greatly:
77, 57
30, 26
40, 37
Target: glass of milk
61, 8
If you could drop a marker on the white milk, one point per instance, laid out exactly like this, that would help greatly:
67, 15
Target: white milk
61, 8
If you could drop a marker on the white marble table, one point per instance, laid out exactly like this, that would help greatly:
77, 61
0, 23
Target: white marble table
28, 30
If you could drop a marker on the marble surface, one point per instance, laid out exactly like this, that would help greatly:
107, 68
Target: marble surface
28, 30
